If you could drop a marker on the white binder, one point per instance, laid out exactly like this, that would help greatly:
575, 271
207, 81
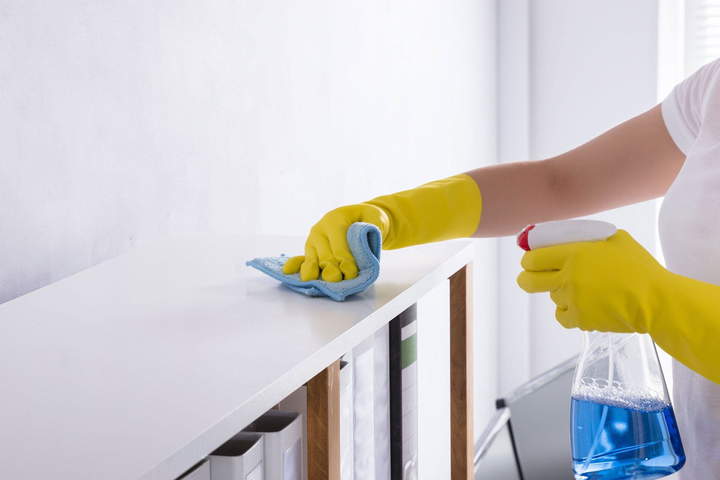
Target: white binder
201, 471
240, 458
282, 439
371, 402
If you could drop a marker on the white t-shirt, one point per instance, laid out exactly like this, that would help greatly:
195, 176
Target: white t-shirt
689, 226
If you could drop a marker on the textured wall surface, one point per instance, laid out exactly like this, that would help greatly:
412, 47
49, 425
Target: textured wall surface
122, 122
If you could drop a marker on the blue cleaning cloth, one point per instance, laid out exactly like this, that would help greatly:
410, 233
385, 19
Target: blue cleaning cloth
365, 242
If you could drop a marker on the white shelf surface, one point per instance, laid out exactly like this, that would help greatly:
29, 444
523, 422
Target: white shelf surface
139, 367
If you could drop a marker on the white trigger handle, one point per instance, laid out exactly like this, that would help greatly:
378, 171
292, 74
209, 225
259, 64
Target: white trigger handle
565, 231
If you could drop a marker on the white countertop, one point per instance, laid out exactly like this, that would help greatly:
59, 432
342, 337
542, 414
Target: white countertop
142, 365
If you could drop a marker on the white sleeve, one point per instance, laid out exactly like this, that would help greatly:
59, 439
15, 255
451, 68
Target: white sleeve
683, 110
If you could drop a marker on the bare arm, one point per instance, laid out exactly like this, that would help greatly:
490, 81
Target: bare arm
633, 162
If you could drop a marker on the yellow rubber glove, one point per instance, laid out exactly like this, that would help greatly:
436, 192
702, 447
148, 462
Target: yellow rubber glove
617, 286
436, 211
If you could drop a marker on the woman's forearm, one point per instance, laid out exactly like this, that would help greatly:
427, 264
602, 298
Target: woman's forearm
633, 162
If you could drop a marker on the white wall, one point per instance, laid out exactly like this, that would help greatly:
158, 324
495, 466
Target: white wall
583, 67
124, 122
121, 122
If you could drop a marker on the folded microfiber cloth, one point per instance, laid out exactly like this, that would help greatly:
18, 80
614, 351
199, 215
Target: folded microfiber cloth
365, 242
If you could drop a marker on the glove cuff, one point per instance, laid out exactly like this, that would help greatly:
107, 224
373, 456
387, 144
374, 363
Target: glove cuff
436, 211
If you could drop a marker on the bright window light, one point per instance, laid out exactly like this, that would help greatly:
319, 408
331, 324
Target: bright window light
702, 33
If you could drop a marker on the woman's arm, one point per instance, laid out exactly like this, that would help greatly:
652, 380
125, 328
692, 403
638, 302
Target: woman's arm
633, 162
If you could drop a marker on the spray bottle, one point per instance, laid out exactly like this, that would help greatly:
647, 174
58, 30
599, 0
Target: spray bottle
622, 424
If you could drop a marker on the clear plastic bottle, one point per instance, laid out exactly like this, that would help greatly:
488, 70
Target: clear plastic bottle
622, 424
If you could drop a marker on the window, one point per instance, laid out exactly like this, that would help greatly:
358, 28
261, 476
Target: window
702, 33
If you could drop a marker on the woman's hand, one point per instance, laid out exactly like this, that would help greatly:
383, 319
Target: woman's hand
439, 210
609, 286
617, 286
326, 248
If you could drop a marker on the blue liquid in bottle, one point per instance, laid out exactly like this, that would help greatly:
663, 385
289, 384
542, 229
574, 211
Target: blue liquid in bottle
624, 443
